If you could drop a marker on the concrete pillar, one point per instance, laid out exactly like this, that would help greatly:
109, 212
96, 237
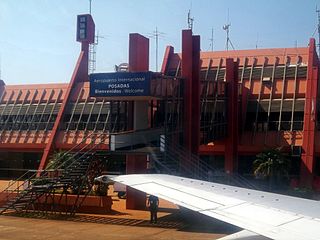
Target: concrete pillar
140, 115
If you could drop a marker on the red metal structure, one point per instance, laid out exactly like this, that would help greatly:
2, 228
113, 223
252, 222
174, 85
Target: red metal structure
310, 118
272, 97
234, 105
138, 62
231, 147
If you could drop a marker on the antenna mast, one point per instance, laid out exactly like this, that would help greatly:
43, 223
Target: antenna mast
93, 53
318, 26
226, 27
211, 40
190, 20
156, 35
90, 1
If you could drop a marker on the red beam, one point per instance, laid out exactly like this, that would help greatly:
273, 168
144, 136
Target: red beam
22, 146
104, 147
80, 73
216, 149
166, 59
186, 73
195, 105
231, 148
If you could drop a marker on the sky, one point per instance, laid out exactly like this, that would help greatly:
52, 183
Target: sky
37, 37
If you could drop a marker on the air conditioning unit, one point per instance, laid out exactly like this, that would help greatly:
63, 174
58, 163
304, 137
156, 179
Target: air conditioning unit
122, 67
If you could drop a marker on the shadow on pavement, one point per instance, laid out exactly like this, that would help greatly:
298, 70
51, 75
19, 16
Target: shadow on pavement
180, 219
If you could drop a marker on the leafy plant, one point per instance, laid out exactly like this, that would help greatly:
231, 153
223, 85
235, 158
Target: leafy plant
60, 159
100, 189
272, 164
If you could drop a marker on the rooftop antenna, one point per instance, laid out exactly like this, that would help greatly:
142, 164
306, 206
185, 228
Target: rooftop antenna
318, 27
211, 40
257, 41
90, 1
226, 27
93, 53
156, 35
190, 20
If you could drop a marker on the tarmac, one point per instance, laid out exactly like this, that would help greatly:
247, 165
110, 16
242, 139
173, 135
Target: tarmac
173, 223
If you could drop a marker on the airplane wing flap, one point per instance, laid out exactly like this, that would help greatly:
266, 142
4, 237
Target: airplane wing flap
244, 235
179, 196
261, 214
258, 225
249, 212
309, 226
184, 189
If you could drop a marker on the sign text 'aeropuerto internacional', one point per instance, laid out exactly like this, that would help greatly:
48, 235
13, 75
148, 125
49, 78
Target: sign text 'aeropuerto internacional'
120, 84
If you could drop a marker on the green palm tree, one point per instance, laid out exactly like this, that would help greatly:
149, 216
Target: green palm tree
60, 159
271, 164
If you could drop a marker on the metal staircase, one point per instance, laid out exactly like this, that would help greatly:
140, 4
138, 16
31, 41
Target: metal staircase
164, 164
49, 192
177, 160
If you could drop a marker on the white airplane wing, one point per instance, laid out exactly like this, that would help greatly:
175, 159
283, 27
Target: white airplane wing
270, 215
244, 235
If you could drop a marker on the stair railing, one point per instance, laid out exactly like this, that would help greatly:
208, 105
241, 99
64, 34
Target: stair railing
197, 168
45, 172
37, 171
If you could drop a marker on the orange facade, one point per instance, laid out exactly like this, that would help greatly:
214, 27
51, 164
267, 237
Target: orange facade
277, 102
267, 97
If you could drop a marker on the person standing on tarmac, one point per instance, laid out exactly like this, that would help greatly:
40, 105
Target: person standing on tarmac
153, 203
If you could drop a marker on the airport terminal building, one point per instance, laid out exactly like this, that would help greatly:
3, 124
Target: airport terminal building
204, 111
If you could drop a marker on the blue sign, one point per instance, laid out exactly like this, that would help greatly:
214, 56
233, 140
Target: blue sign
120, 84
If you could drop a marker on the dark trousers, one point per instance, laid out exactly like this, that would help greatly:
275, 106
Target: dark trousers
153, 216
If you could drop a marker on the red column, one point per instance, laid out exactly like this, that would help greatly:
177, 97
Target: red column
80, 74
310, 112
231, 146
138, 53
195, 104
138, 62
186, 73
190, 72
136, 199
